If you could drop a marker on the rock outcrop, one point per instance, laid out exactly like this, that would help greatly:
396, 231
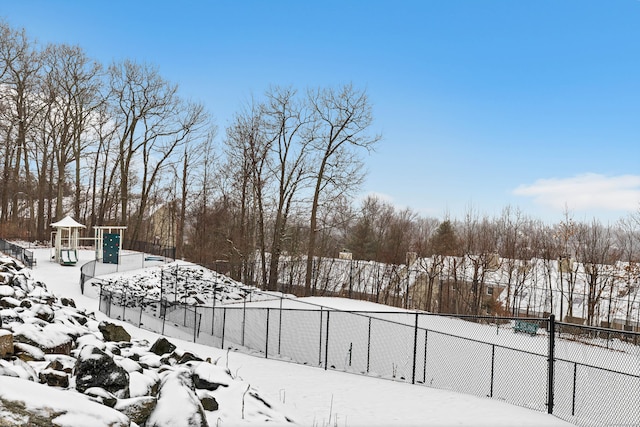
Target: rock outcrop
60, 366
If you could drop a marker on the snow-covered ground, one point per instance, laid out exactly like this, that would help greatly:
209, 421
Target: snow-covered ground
312, 396
533, 286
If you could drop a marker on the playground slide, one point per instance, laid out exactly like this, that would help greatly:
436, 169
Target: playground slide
64, 257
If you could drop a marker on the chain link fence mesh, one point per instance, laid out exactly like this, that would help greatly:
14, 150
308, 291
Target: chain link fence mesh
597, 376
592, 381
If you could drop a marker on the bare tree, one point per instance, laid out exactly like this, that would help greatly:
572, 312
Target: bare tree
480, 244
193, 159
370, 229
247, 150
343, 119
19, 76
445, 247
565, 236
514, 248
596, 256
628, 240
153, 123
73, 85
287, 126
102, 159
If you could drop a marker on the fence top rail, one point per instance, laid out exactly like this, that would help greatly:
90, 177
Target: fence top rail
24, 255
587, 365
494, 318
596, 329
85, 266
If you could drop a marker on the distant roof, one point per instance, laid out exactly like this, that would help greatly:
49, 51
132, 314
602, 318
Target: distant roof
67, 222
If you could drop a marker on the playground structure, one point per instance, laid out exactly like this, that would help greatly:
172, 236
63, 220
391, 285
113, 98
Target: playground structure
66, 238
109, 240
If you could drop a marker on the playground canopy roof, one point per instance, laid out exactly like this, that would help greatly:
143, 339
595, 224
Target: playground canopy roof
67, 222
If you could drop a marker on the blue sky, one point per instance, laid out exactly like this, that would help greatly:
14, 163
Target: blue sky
533, 104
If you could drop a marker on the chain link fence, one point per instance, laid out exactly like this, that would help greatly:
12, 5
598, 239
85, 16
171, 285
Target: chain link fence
126, 262
23, 255
588, 376
597, 374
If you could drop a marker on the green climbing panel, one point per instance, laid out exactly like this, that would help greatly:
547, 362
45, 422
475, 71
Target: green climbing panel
110, 248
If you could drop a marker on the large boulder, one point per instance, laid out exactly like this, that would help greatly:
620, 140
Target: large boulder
113, 332
137, 409
209, 402
6, 290
28, 352
6, 343
162, 346
43, 312
209, 377
48, 338
95, 368
26, 403
54, 378
9, 302
68, 302
21, 281
143, 384
102, 396
177, 386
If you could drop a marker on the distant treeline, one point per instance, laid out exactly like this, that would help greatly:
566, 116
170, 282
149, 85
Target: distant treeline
117, 144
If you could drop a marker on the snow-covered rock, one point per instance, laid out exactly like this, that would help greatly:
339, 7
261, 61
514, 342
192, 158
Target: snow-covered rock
28, 352
95, 368
210, 377
113, 332
66, 368
5, 290
47, 338
162, 346
6, 343
144, 383
9, 302
24, 402
178, 405
137, 409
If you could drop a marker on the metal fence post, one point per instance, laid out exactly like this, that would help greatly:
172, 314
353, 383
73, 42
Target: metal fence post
110, 298
124, 303
266, 338
493, 364
213, 311
369, 345
551, 362
573, 402
320, 340
195, 321
280, 326
244, 317
161, 284
424, 369
415, 349
326, 343
163, 310
224, 320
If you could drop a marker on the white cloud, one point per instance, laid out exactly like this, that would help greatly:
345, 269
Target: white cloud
585, 192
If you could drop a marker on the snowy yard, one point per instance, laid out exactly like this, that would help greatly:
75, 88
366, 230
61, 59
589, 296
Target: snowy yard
312, 396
